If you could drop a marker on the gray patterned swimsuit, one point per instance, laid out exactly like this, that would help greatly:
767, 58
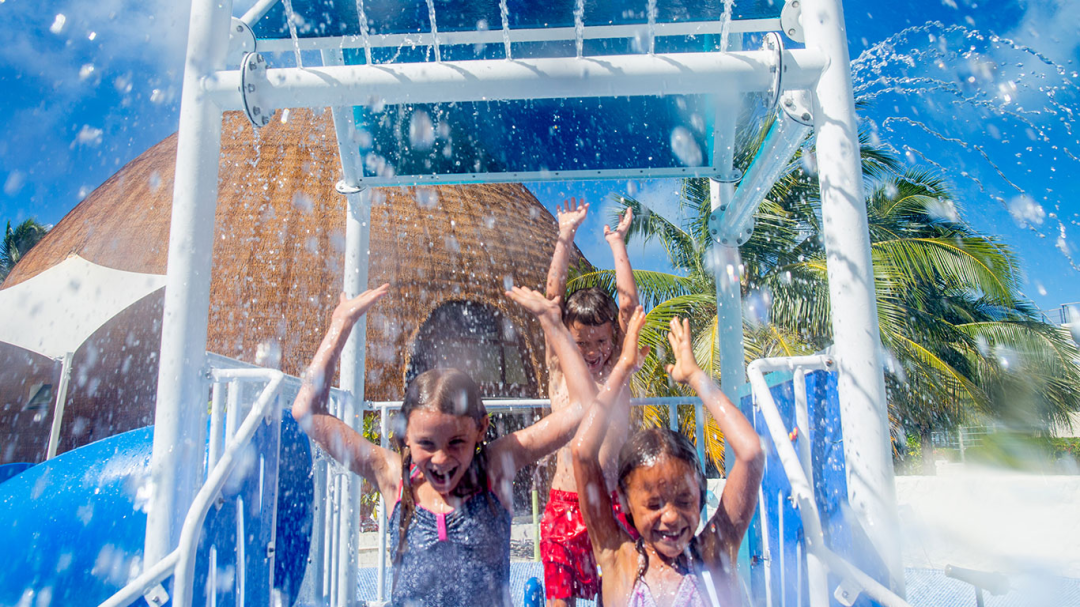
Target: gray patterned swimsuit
459, 559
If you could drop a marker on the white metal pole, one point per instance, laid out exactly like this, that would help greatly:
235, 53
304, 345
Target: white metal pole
180, 416
61, 402
867, 446
357, 237
727, 274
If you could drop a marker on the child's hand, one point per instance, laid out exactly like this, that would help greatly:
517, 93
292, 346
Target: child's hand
632, 357
685, 365
571, 217
622, 227
536, 303
348, 311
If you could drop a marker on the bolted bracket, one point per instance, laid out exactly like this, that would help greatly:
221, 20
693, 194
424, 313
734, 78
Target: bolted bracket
791, 20
241, 41
727, 235
847, 591
156, 596
344, 188
797, 105
774, 43
253, 82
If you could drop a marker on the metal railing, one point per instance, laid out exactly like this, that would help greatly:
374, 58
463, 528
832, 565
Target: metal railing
797, 467
181, 562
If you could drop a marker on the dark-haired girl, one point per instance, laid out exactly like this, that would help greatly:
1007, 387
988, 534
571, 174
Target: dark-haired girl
451, 519
662, 489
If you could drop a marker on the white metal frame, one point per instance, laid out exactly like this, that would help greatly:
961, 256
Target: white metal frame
210, 88
820, 559
180, 563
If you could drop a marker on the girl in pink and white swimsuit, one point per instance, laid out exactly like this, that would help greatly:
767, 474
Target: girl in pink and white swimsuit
662, 489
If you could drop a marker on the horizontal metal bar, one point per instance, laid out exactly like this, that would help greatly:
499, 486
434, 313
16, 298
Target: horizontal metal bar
244, 375
499, 79
495, 36
530, 176
258, 11
816, 362
496, 404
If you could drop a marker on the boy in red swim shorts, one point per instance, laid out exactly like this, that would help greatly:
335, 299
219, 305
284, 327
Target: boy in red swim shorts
597, 325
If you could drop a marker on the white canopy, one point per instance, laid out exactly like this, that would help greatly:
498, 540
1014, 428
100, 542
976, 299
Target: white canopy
56, 311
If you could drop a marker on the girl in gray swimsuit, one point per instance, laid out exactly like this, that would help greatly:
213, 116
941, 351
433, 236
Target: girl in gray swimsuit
452, 519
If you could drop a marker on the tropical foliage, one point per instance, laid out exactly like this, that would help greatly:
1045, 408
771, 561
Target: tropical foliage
961, 340
17, 242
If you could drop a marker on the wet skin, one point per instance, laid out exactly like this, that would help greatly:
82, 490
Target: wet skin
442, 446
664, 499
596, 343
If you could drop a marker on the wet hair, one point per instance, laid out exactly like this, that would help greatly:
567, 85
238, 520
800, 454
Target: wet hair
592, 306
447, 391
644, 449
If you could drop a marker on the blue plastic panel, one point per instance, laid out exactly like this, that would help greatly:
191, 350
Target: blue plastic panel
319, 18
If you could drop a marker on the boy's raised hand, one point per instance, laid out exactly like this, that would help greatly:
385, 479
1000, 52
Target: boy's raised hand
348, 311
572, 216
681, 345
622, 227
535, 302
633, 357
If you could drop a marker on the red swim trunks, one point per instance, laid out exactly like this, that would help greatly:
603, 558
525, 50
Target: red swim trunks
569, 565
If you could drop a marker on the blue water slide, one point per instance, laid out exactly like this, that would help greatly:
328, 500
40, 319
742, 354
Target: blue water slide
73, 527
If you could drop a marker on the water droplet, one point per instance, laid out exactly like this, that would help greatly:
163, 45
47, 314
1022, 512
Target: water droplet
685, 147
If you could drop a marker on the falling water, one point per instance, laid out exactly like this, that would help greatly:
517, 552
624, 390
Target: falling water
504, 12
983, 110
364, 30
290, 17
725, 25
579, 26
434, 28
650, 10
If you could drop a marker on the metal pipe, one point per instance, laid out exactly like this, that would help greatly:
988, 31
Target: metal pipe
357, 223
180, 414
856, 333
147, 579
816, 575
258, 11
384, 442
781, 142
495, 36
498, 79
217, 411
61, 402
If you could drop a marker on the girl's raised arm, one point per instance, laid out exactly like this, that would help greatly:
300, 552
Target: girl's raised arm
380, 467
545, 436
604, 532
739, 499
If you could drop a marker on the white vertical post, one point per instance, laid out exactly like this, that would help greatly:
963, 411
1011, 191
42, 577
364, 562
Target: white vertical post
61, 402
867, 447
357, 225
817, 580
384, 442
180, 416
727, 274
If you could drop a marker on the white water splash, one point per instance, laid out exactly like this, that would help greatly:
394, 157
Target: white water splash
364, 32
504, 13
290, 18
434, 29
579, 26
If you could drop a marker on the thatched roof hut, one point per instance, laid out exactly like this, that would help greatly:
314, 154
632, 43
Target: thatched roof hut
447, 251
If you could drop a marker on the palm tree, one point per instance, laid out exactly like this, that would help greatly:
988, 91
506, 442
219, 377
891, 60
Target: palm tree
951, 315
17, 242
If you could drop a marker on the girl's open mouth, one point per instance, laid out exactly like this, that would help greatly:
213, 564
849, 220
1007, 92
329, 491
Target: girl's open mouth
441, 479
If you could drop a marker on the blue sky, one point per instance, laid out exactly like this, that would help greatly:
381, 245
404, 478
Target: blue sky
90, 86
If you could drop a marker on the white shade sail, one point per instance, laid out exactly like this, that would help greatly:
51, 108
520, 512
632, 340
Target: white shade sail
57, 310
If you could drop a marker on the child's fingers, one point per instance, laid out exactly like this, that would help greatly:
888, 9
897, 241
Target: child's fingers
674, 341
669, 368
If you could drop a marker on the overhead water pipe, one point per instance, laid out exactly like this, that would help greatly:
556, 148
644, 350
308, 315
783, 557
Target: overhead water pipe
856, 335
182, 387
521, 79
515, 36
258, 11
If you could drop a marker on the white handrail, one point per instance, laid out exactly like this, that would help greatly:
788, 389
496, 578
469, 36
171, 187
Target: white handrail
182, 560
801, 489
